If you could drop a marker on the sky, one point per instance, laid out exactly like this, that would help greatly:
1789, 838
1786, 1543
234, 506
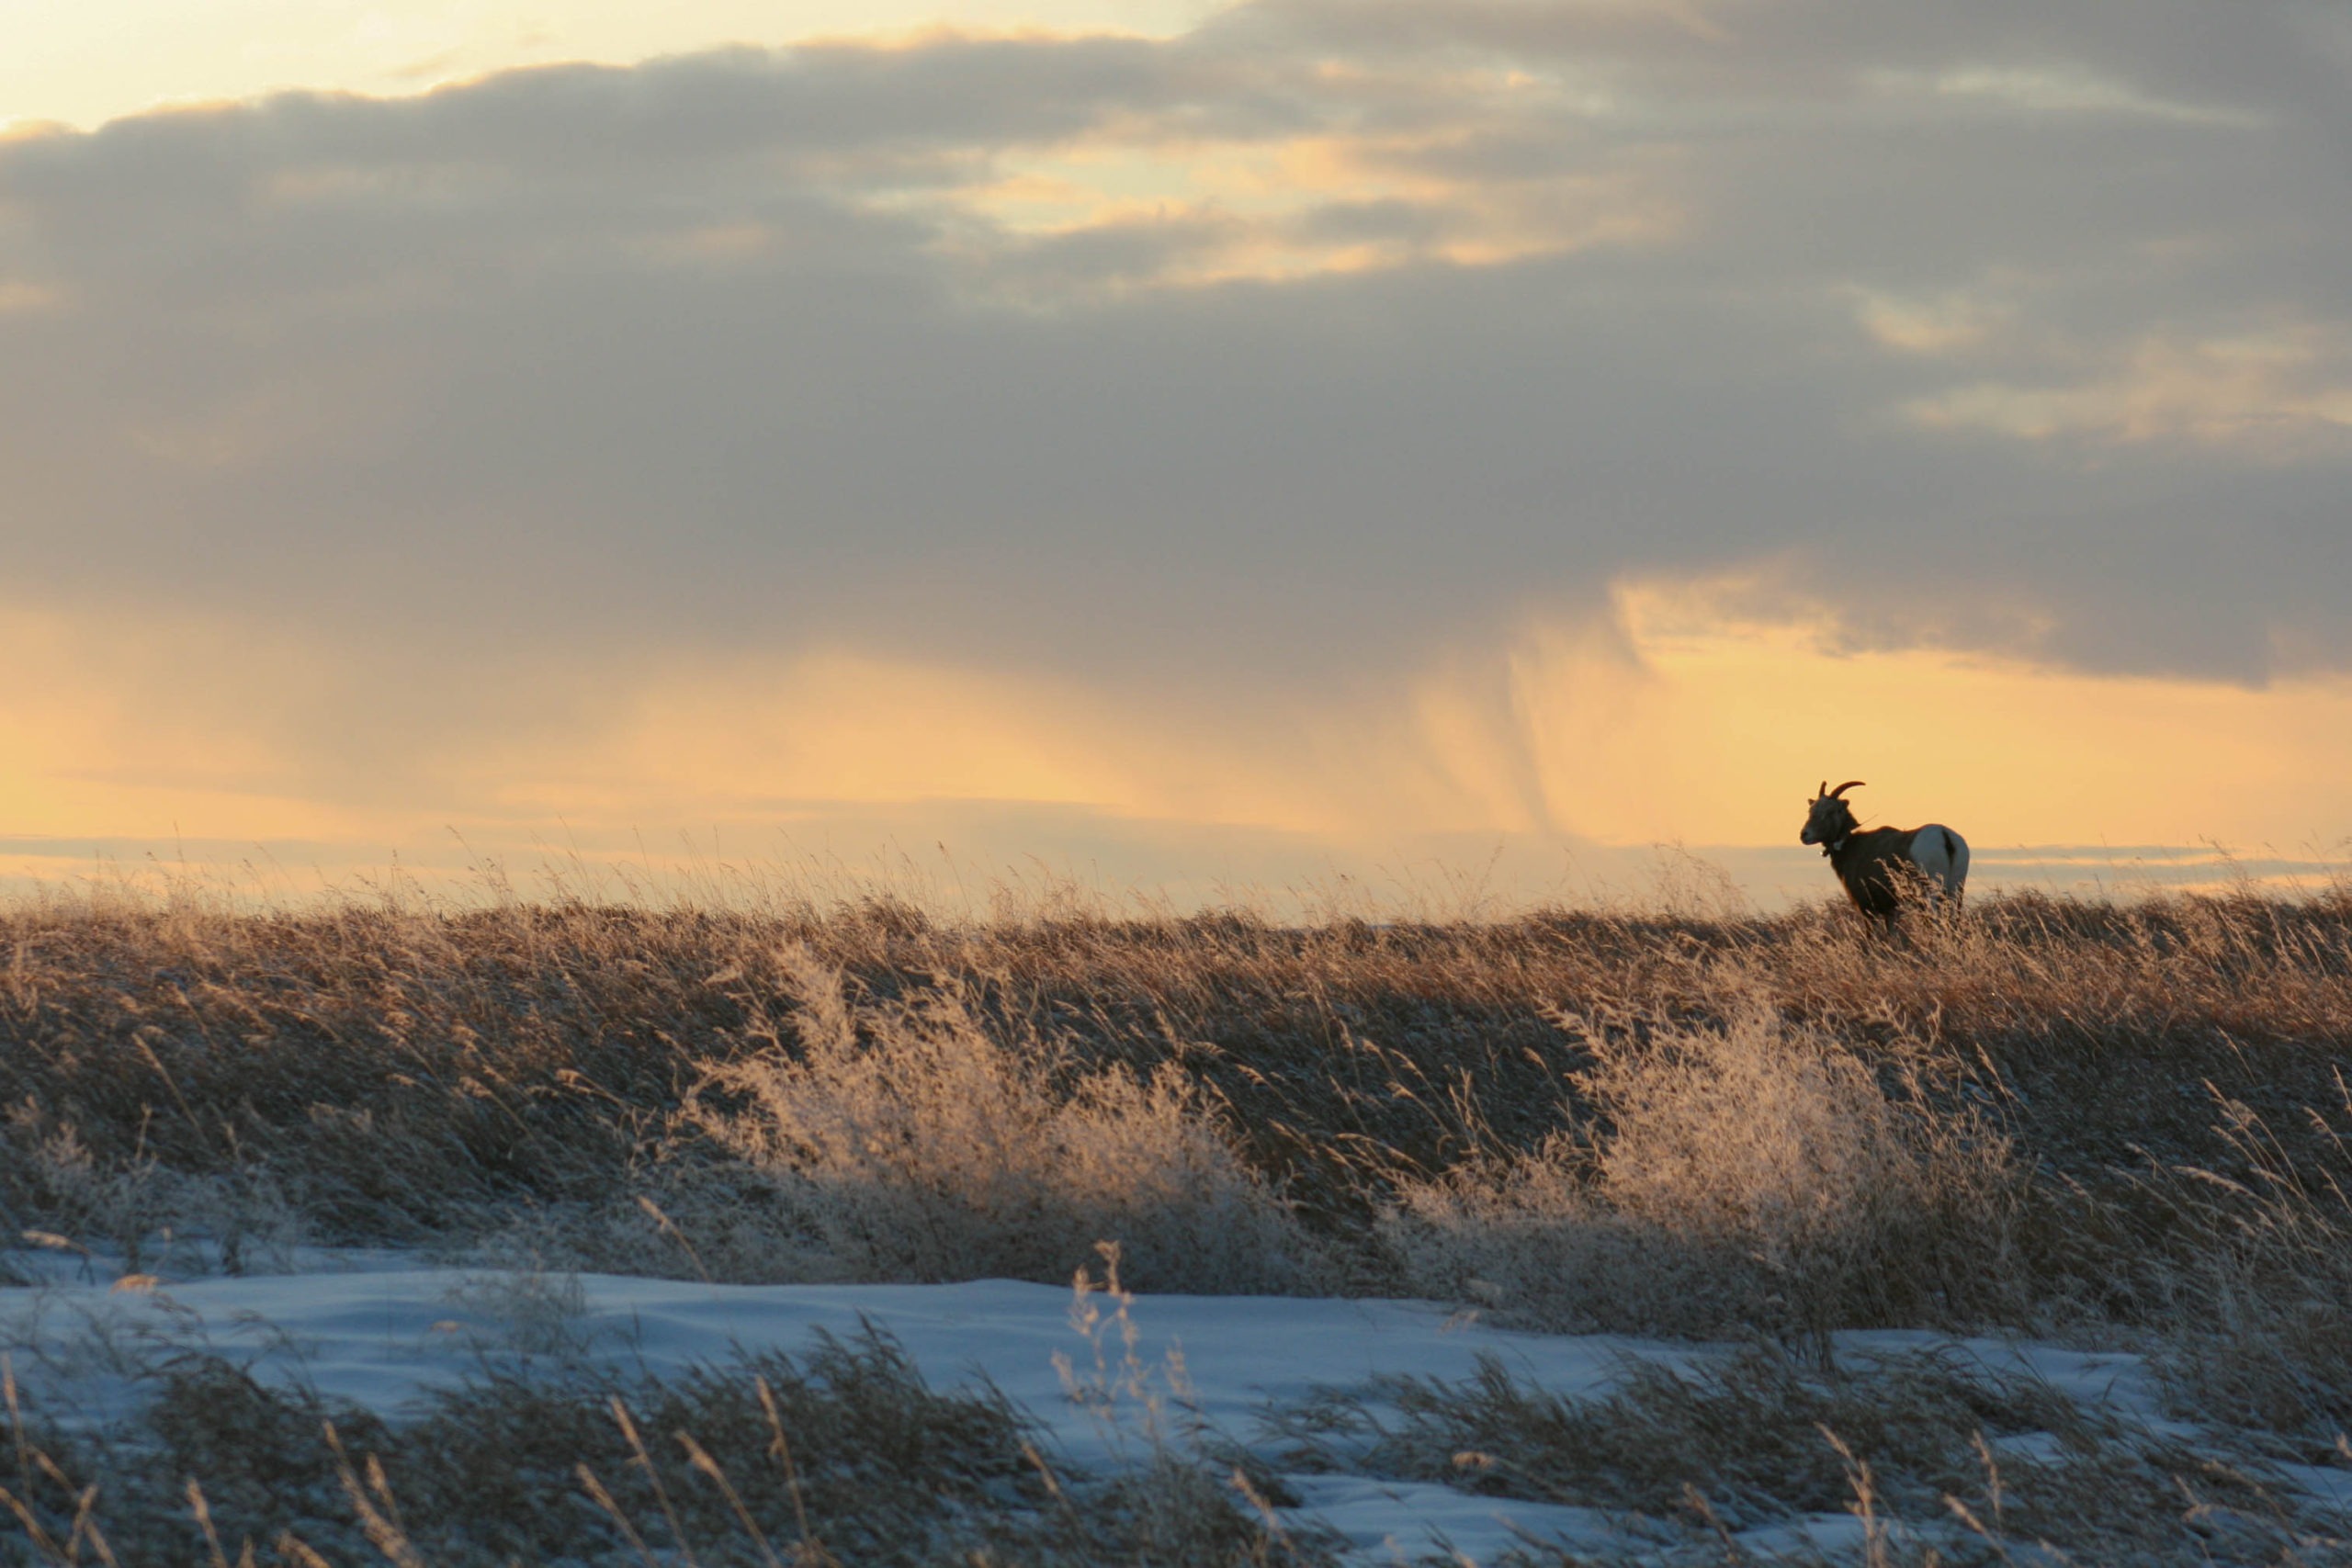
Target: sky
1188, 447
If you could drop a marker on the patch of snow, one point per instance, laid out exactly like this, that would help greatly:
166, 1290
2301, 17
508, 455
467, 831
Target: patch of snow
379, 1330
381, 1336
2116, 1380
1388, 1521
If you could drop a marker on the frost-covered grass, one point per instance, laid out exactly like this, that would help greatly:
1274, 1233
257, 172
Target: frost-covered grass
2119, 1127
910, 1142
1753, 1172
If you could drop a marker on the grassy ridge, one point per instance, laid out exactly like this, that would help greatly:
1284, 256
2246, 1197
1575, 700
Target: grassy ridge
2124, 1123
393, 1074
2043, 1113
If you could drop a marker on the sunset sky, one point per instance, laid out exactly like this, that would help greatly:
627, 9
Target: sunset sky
1189, 446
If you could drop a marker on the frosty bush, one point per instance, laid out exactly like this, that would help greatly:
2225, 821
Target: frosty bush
1755, 1173
917, 1146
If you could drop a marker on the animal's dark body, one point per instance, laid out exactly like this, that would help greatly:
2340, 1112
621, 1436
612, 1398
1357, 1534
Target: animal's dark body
1884, 868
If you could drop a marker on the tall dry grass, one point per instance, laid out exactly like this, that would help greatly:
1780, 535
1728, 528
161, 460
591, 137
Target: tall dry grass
2119, 1122
2261, 1335
2040, 1114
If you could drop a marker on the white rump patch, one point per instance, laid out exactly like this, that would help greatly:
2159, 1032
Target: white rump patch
1943, 855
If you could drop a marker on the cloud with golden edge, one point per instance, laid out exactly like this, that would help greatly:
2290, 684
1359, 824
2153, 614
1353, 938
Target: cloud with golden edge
1310, 205
2261, 393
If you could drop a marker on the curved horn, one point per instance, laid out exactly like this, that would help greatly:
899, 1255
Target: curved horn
1841, 789
1822, 791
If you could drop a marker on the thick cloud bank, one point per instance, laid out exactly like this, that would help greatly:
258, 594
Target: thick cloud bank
1279, 356
2023, 325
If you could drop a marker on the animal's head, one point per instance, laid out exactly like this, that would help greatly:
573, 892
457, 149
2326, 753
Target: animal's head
1829, 818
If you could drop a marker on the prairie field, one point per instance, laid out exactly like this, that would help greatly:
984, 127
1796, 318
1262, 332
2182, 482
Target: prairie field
2025, 1235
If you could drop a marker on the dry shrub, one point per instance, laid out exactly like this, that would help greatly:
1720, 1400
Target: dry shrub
1758, 1173
918, 1146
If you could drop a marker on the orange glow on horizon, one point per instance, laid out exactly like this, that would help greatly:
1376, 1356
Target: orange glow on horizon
2028, 755
1675, 724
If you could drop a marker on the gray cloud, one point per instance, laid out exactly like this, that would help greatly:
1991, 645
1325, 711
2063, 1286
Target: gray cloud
738, 348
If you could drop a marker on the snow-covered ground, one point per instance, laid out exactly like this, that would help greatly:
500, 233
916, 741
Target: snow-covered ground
379, 1328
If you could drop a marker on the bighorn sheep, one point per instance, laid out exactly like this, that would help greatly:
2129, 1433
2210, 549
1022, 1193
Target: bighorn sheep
1882, 866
